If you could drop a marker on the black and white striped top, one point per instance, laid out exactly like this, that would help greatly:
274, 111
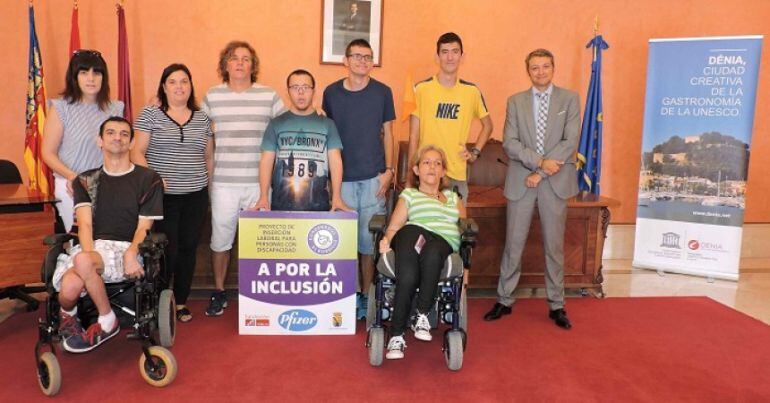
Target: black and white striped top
78, 149
177, 152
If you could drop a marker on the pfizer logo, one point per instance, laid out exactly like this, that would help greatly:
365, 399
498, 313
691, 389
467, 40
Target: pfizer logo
323, 239
297, 320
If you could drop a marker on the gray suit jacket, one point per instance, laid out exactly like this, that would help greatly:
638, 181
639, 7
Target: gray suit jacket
561, 141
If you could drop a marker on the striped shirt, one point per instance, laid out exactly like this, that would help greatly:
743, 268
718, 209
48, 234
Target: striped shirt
78, 149
433, 215
177, 152
240, 120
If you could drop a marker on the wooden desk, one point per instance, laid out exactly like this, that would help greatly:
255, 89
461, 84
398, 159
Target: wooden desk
587, 220
24, 222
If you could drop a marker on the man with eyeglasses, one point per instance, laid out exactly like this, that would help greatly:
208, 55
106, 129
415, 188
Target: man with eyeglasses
445, 107
240, 110
301, 153
362, 108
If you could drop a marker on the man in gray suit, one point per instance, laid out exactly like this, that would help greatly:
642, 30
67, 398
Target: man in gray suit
542, 131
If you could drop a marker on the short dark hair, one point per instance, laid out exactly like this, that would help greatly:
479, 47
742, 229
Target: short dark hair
539, 53
120, 119
85, 60
361, 43
449, 37
228, 51
191, 104
300, 72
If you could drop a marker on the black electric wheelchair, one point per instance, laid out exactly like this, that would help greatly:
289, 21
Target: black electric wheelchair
146, 305
450, 307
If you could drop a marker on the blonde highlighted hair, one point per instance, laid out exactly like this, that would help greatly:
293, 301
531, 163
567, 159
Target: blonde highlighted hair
418, 157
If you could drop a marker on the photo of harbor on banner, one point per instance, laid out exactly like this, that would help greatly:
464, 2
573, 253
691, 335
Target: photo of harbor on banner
297, 272
699, 114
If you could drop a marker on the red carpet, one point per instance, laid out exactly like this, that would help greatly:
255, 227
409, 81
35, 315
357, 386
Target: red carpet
634, 349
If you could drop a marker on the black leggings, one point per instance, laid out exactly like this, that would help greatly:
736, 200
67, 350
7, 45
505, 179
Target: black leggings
415, 270
182, 221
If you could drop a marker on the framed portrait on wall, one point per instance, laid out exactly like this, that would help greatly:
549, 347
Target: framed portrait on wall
345, 20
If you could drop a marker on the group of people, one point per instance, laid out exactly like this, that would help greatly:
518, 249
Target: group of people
241, 148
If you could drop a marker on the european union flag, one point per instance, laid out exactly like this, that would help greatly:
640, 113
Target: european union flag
589, 156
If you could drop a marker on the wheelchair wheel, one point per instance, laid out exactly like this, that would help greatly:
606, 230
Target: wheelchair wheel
165, 367
49, 374
166, 318
376, 346
371, 306
453, 350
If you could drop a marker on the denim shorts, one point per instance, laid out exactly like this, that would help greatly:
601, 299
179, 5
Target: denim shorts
361, 196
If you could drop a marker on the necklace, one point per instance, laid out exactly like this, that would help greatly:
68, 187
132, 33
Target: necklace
433, 195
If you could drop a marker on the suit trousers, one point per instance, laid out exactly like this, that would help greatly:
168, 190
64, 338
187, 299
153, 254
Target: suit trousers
553, 217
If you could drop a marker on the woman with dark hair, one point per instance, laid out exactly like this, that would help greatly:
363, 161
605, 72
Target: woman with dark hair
175, 140
72, 126
422, 231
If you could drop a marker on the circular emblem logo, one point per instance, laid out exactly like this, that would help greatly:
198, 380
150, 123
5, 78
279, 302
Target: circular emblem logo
693, 244
323, 239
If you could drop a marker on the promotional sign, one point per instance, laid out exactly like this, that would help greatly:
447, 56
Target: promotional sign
698, 118
297, 272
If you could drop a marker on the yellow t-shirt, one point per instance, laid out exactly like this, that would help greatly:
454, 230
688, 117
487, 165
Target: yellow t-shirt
445, 118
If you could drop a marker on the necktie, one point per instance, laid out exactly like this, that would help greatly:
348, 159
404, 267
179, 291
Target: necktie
542, 116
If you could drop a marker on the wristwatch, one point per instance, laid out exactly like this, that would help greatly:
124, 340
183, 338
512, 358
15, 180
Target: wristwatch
475, 151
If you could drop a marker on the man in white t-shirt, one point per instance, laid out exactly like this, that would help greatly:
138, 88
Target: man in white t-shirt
239, 110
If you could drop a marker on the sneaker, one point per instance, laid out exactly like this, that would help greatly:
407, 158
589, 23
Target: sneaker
217, 304
69, 326
421, 328
90, 339
363, 307
396, 347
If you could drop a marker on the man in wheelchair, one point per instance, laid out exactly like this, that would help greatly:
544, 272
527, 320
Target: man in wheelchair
115, 206
423, 231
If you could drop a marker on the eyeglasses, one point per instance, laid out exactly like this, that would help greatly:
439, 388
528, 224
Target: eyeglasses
358, 57
300, 88
89, 52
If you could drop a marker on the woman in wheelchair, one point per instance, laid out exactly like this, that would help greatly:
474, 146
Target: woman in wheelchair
422, 232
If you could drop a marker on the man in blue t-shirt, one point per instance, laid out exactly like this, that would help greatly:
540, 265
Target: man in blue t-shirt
362, 108
301, 152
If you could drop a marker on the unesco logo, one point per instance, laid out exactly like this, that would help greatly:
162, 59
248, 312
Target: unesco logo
670, 240
323, 239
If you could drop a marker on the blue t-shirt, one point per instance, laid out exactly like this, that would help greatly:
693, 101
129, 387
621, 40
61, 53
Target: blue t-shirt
301, 169
359, 116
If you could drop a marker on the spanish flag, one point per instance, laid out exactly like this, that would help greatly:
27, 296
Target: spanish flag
39, 174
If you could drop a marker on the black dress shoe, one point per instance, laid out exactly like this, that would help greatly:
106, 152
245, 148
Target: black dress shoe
497, 311
559, 316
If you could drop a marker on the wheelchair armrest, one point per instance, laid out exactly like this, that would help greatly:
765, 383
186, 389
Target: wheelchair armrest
153, 242
377, 224
468, 229
58, 239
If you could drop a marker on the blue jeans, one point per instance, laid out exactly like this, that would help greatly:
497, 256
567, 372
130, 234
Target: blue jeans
361, 196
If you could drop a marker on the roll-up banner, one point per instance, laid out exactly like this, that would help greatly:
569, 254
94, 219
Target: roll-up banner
698, 118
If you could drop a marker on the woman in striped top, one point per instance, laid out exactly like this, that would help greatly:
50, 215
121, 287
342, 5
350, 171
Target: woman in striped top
175, 140
422, 231
69, 139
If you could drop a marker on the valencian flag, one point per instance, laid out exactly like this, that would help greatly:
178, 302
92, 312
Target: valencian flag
74, 30
39, 174
589, 155
124, 76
